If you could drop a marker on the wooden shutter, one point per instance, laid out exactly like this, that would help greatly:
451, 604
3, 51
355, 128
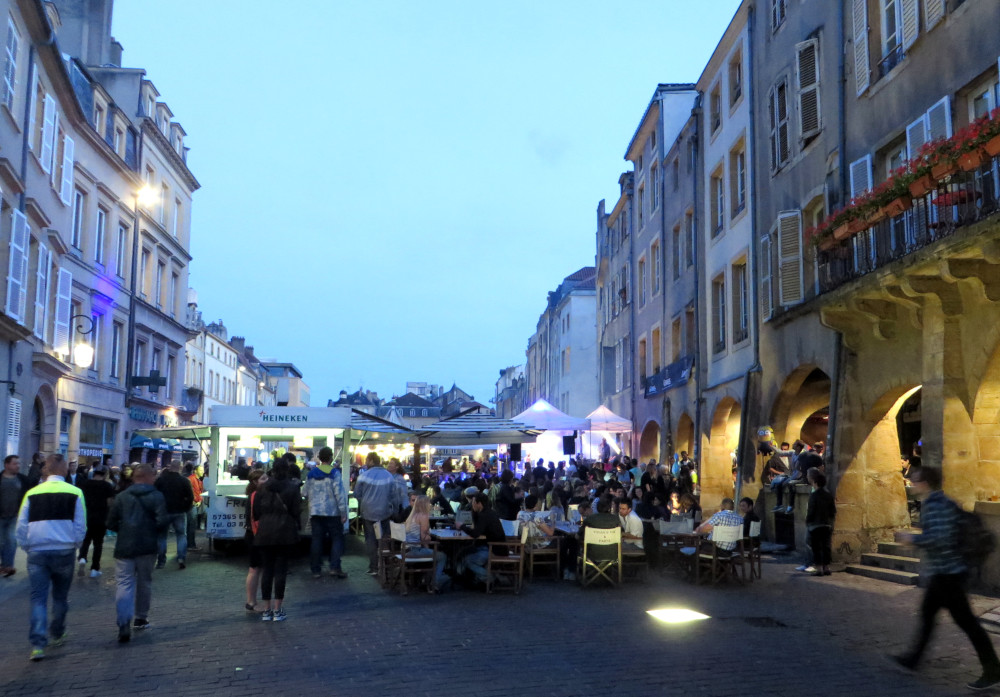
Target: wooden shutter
807, 79
933, 12
766, 286
48, 133
42, 290
64, 308
939, 120
790, 257
13, 425
66, 186
916, 136
861, 70
861, 175
17, 271
910, 10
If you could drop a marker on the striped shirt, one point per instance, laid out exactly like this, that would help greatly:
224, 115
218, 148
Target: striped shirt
939, 536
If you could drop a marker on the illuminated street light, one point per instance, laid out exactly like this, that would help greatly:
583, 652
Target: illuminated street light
83, 352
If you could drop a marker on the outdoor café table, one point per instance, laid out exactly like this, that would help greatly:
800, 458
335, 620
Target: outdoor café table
567, 528
449, 539
673, 543
440, 521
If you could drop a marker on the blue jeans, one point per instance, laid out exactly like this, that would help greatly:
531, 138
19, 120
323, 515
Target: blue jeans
134, 590
324, 526
192, 525
475, 562
371, 542
178, 523
440, 559
8, 545
46, 569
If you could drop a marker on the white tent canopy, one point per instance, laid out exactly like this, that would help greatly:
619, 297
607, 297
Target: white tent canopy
477, 429
603, 419
542, 415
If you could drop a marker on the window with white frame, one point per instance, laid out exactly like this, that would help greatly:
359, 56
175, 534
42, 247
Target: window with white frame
735, 79
99, 235
642, 281
120, 243
116, 348
174, 222
144, 274
719, 313
654, 255
889, 14
161, 269
715, 105
738, 179
777, 13
778, 121
172, 295
689, 241
95, 340
718, 193
10, 65
79, 209
642, 205
675, 253
654, 194
741, 320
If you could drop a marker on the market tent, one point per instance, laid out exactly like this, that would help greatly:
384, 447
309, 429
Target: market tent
477, 429
182, 432
603, 419
543, 416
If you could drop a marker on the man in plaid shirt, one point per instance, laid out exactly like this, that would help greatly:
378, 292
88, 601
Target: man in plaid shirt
723, 518
939, 522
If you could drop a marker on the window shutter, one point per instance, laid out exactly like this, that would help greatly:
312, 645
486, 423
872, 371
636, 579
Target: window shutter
782, 114
48, 133
42, 290
861, 45
17, 271
933, 12
910, 9
790, 257
64, 307
807, 69
916, 136
66, 189
939, 120
773, 121
861, 175
32, 108
13, 425
766, 291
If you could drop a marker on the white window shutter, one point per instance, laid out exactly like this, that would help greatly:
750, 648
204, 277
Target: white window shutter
17, 271
66, 188
910, 10
48, 133
766, 290
916, 136
807, 83
13, 425
42, 290
790, 257
933, 12
939, 120
64, 308
861, 68
861, 175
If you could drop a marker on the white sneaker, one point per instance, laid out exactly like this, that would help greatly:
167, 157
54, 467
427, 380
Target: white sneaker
800, 568
81, 567
810, 569
95, 574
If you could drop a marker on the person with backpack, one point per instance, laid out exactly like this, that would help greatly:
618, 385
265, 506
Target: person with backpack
941, 540
276, 509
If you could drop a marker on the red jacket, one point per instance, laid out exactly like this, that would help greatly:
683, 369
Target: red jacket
196, 487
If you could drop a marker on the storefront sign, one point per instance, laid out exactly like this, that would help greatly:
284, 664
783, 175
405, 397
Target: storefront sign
226, 517
147, 416
674, 375
281, 417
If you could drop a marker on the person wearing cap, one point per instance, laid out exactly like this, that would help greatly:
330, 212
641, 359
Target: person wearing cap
97, 494
467, 494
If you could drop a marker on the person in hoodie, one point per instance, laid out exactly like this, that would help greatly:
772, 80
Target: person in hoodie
327, 498
276, 508
378, 499
138, 515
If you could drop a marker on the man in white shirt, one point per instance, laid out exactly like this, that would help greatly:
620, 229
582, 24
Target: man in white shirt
631, 526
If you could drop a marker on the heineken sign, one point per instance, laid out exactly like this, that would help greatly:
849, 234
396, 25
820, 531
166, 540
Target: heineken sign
280, 417
283, 418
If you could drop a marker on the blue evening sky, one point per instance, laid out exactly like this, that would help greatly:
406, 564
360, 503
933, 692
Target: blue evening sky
389, 189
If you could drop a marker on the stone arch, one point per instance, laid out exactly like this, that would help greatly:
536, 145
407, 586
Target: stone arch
649, 442
684, 439
45, 402
804, 394
717, 466
986, 429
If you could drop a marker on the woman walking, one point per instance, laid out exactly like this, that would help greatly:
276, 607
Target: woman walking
254, 481
276, 509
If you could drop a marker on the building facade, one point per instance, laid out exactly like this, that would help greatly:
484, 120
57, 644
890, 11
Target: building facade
511, 396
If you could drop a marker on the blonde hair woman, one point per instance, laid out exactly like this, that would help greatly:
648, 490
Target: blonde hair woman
418, 537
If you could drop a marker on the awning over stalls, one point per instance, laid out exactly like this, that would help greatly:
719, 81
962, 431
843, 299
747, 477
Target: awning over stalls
181, 432
603, 419
380, 429
543, 416
477, 429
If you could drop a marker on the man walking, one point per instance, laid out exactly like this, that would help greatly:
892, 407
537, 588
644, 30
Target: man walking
13, 487
50, 526
138, 515
97, 493
177, 492
939, 540
376, 493
327, 513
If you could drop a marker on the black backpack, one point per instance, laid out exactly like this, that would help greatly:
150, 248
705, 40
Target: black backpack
975, 541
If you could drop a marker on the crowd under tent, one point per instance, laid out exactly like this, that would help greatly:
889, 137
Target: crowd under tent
604, 425
562, 433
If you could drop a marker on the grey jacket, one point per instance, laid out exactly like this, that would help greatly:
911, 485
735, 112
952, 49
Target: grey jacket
378, 494
137, 514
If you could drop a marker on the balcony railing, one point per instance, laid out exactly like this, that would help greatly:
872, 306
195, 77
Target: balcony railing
964, 199
890, 61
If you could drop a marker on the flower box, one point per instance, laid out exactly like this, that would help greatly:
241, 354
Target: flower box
876, 217
898, 206
842, 232
856, 226
992, 146
827, 244
972, 160
943, 170
956, 198
922, 186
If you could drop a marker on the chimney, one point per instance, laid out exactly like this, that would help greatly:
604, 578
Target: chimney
115, 58
238, 343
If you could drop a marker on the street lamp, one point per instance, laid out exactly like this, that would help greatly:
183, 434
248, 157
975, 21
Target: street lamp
83, 352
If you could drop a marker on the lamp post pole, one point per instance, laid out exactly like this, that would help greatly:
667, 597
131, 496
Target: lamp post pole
130, 349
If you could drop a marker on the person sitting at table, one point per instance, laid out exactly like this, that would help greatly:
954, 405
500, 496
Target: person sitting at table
467, 494
404, 515
538, 522
439, 499
651, 507
690, 508
486, 527
631, 526
674, 507
724, 517
749, 516
418, 538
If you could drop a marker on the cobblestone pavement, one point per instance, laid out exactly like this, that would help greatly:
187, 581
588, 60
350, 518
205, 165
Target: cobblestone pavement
789, 635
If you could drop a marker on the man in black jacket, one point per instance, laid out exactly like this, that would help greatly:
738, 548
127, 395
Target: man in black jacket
176, 489
486, 525
138, 515
13, 487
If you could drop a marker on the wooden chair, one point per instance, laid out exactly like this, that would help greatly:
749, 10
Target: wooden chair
404, 565
751, 546
718, 562
547, 556
385, 552
592, 569
506, 560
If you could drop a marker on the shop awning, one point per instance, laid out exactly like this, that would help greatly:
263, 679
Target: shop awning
181, 432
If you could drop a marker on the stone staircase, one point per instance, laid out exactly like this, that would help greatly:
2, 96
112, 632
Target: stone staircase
896, 562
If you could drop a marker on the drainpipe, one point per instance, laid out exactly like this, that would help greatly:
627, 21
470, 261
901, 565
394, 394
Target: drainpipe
633, 443
752, 271
696, 114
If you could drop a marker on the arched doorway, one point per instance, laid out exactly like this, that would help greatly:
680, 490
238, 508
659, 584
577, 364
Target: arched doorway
43, 420
684, 440
649, 442
802, 408
717, 480
37, 426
